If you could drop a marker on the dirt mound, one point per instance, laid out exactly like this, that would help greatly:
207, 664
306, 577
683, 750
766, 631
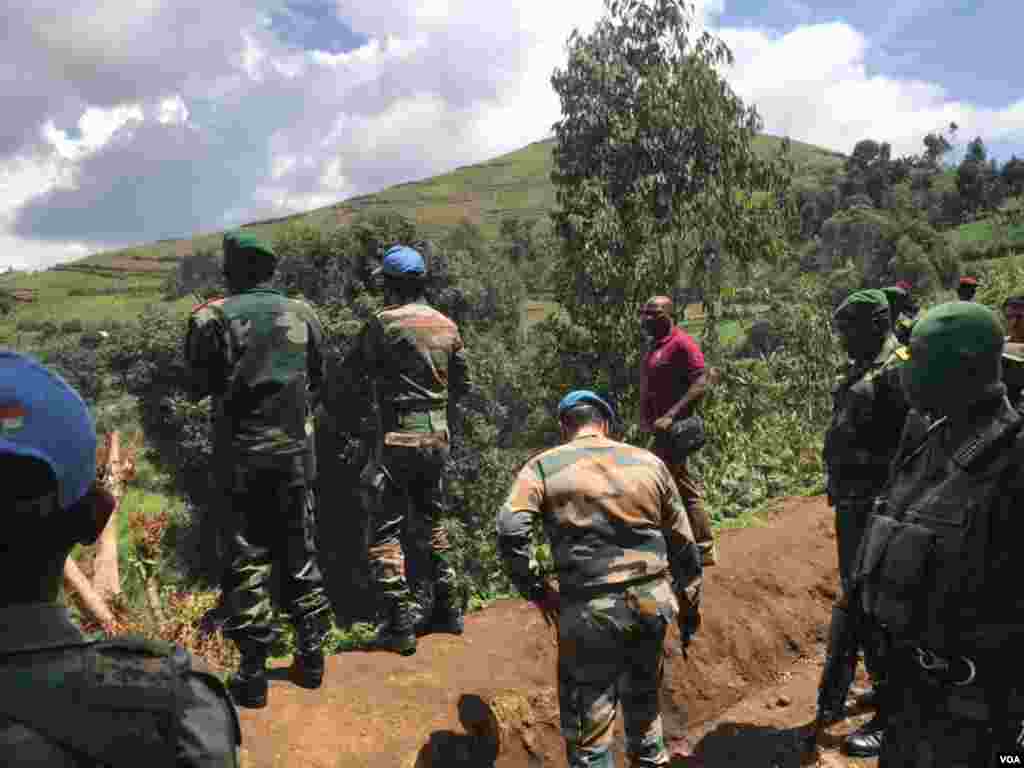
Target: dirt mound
766, 606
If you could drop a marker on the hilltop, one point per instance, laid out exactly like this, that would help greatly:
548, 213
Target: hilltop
517, 184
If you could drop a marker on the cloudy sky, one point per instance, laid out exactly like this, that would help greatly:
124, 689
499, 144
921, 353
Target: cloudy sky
125, 122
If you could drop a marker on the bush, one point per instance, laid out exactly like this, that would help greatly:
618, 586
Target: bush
71, 326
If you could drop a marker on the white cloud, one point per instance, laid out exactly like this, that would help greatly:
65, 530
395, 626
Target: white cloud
812, 84
192, 116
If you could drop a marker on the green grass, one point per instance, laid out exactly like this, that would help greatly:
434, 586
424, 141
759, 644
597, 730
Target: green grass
979, 232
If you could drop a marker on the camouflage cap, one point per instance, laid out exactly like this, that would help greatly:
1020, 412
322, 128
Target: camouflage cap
954, 354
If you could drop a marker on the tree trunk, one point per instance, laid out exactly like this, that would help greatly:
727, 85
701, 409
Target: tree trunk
106, 575
91, 600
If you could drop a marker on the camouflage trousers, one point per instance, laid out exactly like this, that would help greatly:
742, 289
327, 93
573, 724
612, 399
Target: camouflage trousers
851, 521
692, 492
406, 497
610, 650
942, 726
272, 524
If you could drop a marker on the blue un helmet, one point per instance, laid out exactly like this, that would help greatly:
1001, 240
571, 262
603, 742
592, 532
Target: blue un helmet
402, 262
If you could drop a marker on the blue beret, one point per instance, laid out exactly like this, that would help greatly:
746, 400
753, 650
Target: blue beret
402, 261
581, 396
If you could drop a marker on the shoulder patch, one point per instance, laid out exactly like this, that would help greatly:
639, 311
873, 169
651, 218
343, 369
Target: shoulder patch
902, 354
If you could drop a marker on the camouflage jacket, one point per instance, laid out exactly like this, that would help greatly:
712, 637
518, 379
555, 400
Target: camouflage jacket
415, 360
612, 514
258, 354
67, 701
868, 413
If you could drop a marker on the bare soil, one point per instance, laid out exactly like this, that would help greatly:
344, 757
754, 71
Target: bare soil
741, 699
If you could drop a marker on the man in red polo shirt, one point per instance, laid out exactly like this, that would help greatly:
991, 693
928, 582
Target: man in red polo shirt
672, 382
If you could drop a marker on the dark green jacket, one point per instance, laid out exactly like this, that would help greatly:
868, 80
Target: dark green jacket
258, 354
68, 701
868, 413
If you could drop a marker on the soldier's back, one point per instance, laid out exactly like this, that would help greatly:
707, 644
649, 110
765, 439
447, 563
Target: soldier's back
123, 702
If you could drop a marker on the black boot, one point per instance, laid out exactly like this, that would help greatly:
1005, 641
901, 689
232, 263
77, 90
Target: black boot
248, 686
866, 741
422, 608
307, 669
448, 617
396, 633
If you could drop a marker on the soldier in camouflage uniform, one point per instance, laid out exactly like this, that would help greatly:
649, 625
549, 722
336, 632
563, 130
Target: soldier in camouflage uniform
618, 529
869, 411
258, 354
414, 359
940, 567
66, 700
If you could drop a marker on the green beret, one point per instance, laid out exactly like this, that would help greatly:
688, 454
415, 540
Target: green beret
241, 244
868, 303
954, 351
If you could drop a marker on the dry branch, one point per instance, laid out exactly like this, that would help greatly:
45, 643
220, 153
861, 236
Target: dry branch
90, 599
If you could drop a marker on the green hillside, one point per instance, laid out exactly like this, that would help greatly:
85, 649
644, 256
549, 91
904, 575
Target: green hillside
516, 184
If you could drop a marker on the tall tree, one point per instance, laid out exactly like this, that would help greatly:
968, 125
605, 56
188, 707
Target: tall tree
654, 161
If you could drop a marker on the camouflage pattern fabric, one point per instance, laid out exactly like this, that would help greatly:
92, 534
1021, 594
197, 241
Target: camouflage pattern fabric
415, 356
258, 354
617, 529
610, 651
128, 701
415, 359
273, 516
611, 511
405, 492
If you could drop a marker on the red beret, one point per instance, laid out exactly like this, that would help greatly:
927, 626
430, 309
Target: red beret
968, 280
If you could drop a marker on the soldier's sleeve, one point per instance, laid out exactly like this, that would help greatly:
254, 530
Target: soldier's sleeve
684, 557
206, 354
458, 371
514, 525
209, 735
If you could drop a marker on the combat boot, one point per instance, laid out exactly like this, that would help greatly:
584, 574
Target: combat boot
396, 633
248, 686
448, 618
307, 669
422, 609
866, 741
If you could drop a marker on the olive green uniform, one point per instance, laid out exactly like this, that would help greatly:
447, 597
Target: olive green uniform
68, 701
258, 354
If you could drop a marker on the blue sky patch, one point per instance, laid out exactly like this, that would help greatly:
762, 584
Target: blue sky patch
314, 26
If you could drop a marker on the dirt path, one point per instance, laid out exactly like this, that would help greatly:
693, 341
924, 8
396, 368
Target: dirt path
749, 682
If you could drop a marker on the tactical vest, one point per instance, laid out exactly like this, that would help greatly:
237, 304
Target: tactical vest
113, 703
923, 559
857, 456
